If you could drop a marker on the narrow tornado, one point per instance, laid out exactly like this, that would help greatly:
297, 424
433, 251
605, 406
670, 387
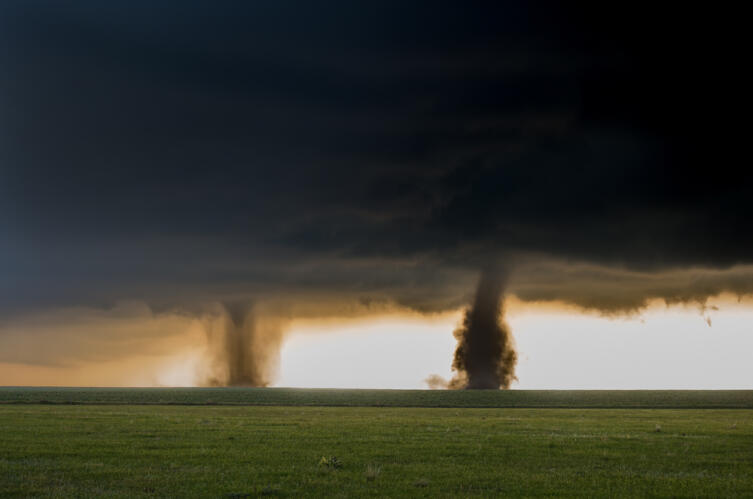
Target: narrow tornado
242, 368
485, 357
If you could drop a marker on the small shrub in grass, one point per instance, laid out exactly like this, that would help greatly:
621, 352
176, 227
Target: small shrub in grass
372, 472
330, 462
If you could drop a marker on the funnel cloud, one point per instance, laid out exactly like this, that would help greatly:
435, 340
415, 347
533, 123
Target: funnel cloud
485, 356
245, 349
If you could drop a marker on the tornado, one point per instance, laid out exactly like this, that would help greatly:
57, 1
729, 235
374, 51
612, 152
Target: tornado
246, 349
485, 355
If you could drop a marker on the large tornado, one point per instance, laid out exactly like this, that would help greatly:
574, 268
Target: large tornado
485, 357
245, 348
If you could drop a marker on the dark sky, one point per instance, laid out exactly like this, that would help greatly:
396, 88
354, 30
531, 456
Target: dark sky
179, 153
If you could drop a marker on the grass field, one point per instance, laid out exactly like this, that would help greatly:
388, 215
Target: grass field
671, 399
247, 451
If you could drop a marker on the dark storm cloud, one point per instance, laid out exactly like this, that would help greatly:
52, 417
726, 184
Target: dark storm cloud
371, 150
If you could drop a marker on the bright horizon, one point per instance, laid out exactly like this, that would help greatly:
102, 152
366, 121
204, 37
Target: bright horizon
559, 348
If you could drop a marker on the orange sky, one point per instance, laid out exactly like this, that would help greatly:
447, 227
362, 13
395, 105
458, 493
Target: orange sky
559, 347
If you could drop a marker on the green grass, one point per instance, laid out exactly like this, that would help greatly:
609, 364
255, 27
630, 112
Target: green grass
216, 451
384, 398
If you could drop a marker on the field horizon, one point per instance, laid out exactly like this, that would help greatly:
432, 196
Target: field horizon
351, 397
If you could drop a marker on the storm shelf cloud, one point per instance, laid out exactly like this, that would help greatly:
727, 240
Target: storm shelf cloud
313, 160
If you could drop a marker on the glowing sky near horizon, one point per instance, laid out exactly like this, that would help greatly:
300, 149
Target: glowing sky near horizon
661, 348
559, 348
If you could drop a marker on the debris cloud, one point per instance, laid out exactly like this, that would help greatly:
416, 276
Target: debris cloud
436, 382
